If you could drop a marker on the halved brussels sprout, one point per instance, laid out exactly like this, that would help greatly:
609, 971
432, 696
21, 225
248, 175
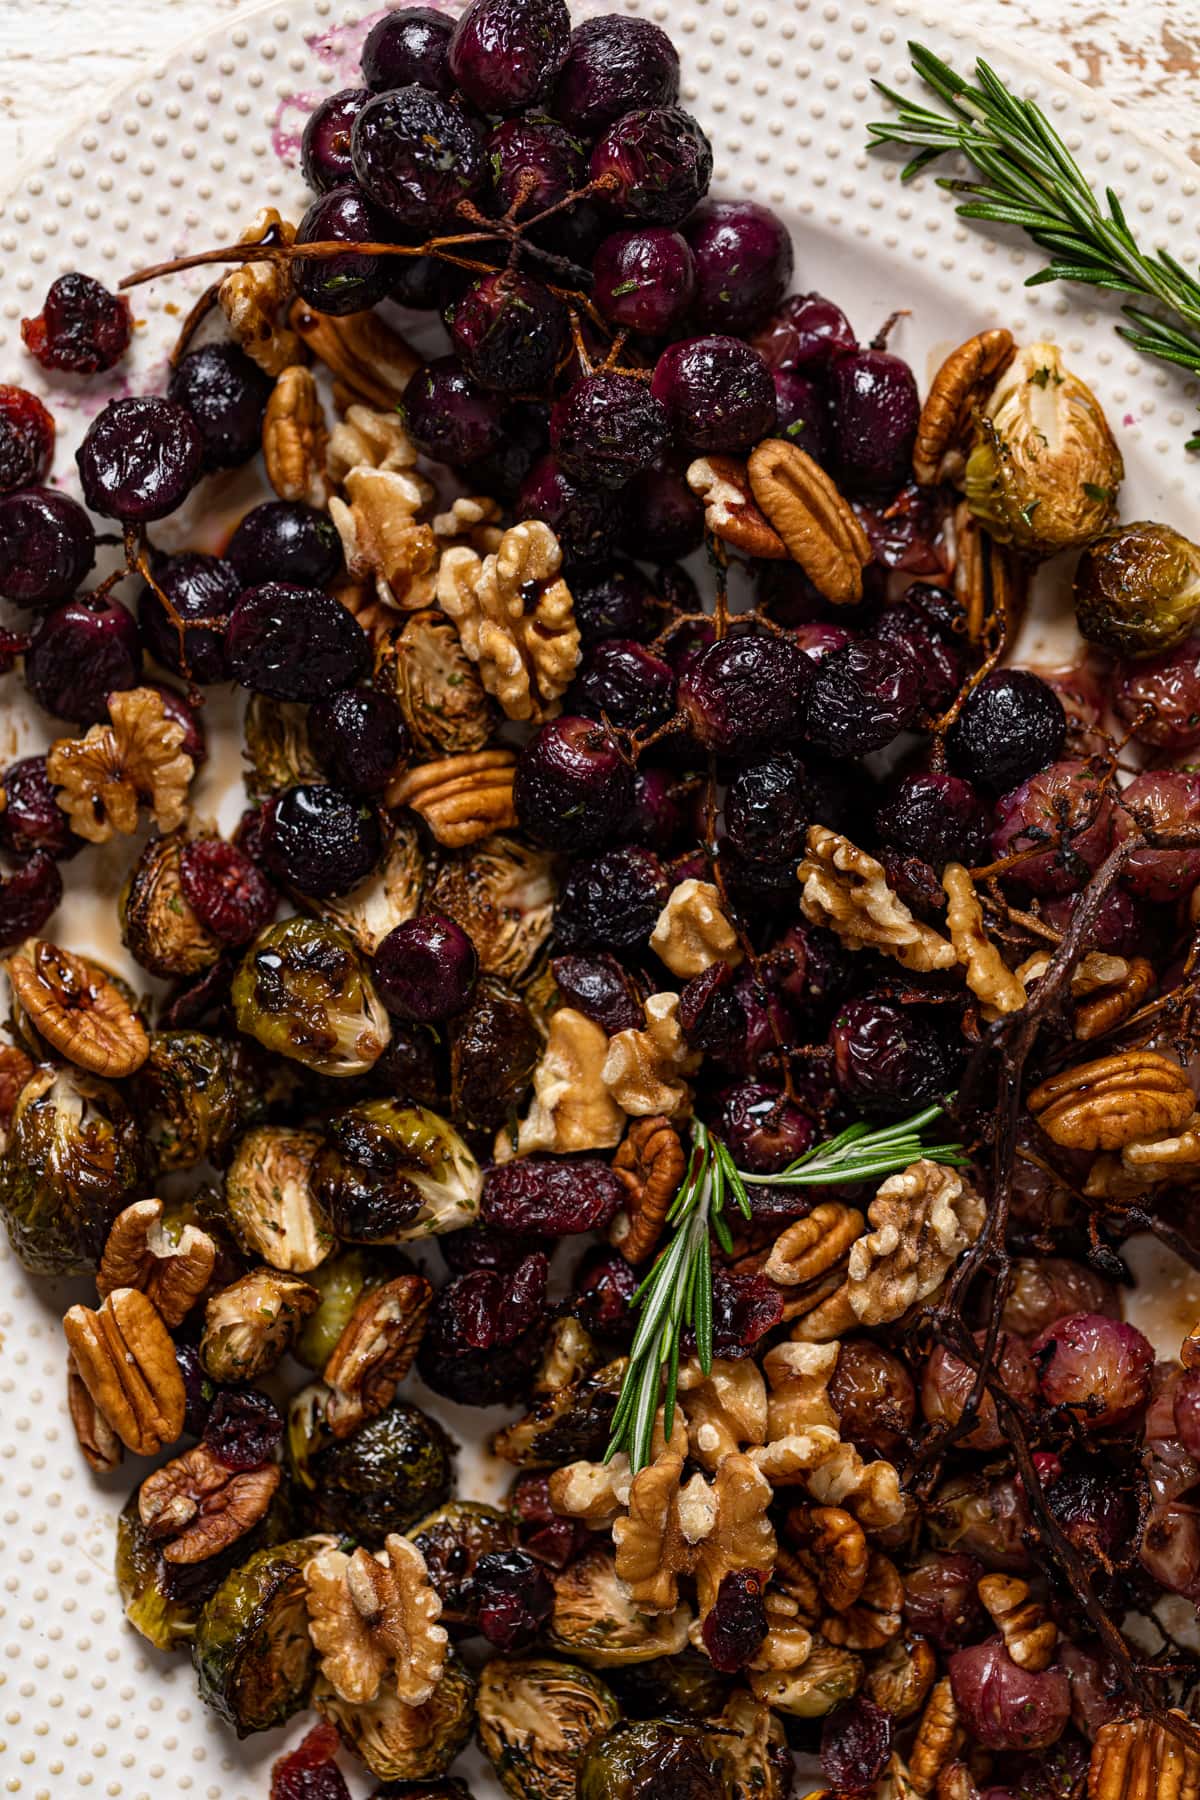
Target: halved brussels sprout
642, 1758
437, 685
73, 1158
1044, 471
502, 893
686, 1684
827, 1679
270, 1201
494, 1048
251, 1651
387, 898
277, 746
158, 926
571, 1425
450, 1787
389, 1172
452, 1540
187, 1093
392, 1471
536, 1718
1137, 591
250, 1325
595, 1619
340, 1281
405, 1743
166, 1621
303, 990
751, 1749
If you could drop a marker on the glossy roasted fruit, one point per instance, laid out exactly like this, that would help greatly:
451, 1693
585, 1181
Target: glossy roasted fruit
417, 156
139, 459
294, 643
226, 395
572, 786
657, 164
47, 546
82, 327
320, 841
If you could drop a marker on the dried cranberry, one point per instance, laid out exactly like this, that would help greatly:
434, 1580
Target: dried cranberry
31, 818
550, 1195
483, 1310
514, 1598
817, 968
604, 1287
81, 327
711, 1017
244, 1428
228, 893
309, 1772
611, 901
745, 1308
547, 1537
856, 1744
28, 897
736, 1626
26, 438
482, 1247
599, 988
193, 1002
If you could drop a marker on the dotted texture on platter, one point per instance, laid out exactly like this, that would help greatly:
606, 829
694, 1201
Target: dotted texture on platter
184, 160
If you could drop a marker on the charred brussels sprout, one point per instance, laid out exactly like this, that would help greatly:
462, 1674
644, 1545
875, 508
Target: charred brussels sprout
640, 1758
827, 1678
389, 1172
73, 1159
569, 1424
595, 1618
251, 1650
186, 1093
502, 894
163, 1619
158, 926
449, 1789
1137, 591
537, 1719
277, 746
303, 991
494, 1046
686, 1685
340, 1281
393, 1470
752, 1751
405, 1743
1044, 471
271, 1206
387, 898
452, 1540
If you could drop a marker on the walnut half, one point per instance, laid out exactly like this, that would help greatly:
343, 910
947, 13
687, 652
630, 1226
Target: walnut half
374, 1615
516, 618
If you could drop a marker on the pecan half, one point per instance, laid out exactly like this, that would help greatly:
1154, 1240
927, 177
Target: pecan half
649, 1164
375, 1351
937, 1740
195, 1506
15, 1070
77, 1010
1109, 1007
1029, 1636
803, 506
832, 1546
102, 1449
1140, 1759
294, 437
362, 350
173, 1273
1106, 1104
730, 513
946, 415
876, 1616
814, 1244
127, 1363
460, 798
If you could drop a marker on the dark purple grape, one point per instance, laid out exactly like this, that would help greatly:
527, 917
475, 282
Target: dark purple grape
485, 1247
417, 156
82, 327
244, 1428
81, 653
423, 283
534, 163
860, 698
643, 280
937, 660
819, 639
892, 1060
746, 691
856, 1746
514, 1598
818, 969
802, 413
657, 163
1097, 1511
941, 1598
614, 65
320, 841
598, 987
409, 47
611, 901
768, 809
325, 146
607, 428
342, 284
572, 787
585, 520
285, 540
718, 393
1005, 1707
937, 817
624, 682
873, 407
203, 590
763, 1128
807, 332
226, 395
28, 896
425, 969
508, 332
30, 817
1067, 809
550, 1196
139, 459
504, 54
612, 600
26, 438
743, 256
661, 518
1011, 726
358, 737
449, 415
1119, 928
1097, 1367
294, 643
525, 436
659, 812
47, 546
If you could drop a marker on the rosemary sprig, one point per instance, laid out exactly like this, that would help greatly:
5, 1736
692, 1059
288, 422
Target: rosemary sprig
678, 1290
1028, 177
